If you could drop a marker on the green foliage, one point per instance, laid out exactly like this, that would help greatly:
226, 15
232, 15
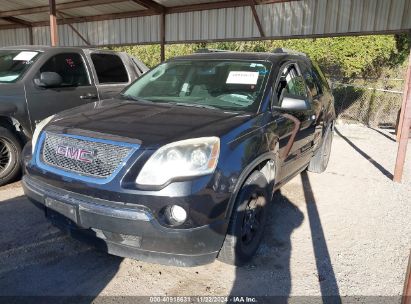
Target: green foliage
364, 56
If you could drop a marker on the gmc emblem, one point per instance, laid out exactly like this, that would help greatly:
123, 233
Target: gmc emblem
79, 154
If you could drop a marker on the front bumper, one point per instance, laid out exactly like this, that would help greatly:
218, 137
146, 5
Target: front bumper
123, 229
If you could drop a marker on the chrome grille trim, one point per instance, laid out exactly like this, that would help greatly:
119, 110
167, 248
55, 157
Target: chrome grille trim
108, 156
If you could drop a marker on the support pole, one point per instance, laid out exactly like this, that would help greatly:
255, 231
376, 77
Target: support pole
31, 40
53, 23
406, 295
404, 128
404, 97
162, 36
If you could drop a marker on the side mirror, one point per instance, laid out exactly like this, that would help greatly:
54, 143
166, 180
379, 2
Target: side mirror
294, 103
49, 79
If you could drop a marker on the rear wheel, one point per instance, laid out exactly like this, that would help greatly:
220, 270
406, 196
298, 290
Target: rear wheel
247, 222
10, 150
320, 160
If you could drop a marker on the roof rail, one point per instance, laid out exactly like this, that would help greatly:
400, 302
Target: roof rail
201, 51
288, 51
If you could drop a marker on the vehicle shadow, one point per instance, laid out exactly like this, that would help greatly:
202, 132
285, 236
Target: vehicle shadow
365, 155
36, 259
325, 271
272, 263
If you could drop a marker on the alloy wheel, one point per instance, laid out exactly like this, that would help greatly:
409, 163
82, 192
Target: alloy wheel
5, 156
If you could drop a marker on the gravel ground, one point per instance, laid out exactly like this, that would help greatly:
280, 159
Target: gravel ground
345, 232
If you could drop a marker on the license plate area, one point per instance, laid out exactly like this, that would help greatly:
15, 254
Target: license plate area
68, 210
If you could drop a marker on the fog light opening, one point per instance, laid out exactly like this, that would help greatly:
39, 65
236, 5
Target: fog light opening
177, 214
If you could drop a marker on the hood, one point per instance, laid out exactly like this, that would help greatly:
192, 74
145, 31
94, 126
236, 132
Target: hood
150, 124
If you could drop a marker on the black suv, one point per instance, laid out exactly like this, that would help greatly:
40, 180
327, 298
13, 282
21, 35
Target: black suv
181, 168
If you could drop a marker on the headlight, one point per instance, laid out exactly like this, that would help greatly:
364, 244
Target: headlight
39, 127
191, 157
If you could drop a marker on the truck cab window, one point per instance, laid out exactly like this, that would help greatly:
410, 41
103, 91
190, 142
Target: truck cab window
109, 68
71, 68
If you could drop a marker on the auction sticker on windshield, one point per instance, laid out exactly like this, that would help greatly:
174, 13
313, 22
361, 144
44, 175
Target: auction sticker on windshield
25, 56
239, 77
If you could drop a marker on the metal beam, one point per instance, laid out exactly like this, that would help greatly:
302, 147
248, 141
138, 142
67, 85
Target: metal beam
218, 5
163, 37
53, 23
73, 28
17, 21
98, 18
257, 18
207, 6
61, 6
405, 129
149, 4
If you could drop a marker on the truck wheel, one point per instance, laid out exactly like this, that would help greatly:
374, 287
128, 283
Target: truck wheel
10, 150
319, 162
247, 222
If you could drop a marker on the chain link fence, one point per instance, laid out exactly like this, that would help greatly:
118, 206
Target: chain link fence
372, 106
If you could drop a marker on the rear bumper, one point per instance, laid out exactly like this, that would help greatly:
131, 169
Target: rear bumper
124, 230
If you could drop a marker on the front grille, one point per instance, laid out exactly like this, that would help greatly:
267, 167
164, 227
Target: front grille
100, 159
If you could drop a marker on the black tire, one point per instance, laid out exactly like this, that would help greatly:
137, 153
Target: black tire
249, 216
319, 162
10, 152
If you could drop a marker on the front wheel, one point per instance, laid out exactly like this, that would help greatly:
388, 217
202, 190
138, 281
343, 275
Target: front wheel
247, 222
10, 150
320, 160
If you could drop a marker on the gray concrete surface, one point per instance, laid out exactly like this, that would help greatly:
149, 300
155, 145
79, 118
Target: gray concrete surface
344, 232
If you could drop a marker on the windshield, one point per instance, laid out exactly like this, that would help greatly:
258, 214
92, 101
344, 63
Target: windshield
14, 63
222, 84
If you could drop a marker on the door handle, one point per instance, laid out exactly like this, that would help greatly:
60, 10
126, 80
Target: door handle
88, 96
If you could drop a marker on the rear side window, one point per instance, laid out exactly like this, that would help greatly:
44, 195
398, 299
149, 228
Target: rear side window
109, 68
311, 83
312, 79
320, 76
71, 68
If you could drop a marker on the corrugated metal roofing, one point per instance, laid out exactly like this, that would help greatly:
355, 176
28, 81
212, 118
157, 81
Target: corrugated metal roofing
279, 20
14, 37
105, 9
34, 17
21, 4
171, 3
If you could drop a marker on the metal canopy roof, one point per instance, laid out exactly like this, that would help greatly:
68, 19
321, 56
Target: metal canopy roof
120, 22
37, 11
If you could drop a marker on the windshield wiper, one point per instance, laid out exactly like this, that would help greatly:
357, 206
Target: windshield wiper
195, 105
131, 97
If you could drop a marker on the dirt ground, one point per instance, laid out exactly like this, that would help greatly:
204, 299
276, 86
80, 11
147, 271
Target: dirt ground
345, 232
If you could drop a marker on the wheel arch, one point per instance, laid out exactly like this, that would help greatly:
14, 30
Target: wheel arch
6, 122
267, 165
14, 126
